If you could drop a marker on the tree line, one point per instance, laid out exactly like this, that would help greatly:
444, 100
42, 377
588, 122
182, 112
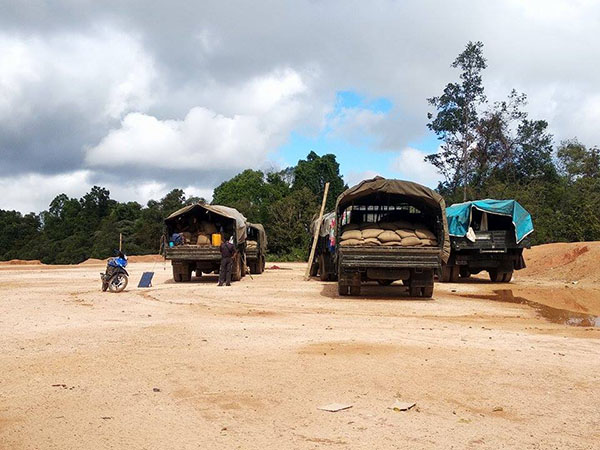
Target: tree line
73, 230
487, 150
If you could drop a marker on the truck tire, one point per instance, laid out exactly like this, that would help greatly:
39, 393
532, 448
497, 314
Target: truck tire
464, 271
355, 289
262, 264
314, 269
236, 272
186, 273
342, 289
415, 291
323, 275
176, 275
428, 291
507, 277
497, 276
450, 273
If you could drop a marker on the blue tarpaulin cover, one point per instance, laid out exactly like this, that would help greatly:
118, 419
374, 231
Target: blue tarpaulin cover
459, 216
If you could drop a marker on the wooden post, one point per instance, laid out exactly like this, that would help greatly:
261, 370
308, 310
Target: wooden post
120, 242
316, 235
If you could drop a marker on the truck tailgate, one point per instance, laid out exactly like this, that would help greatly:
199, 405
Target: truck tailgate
193, 253
389, 257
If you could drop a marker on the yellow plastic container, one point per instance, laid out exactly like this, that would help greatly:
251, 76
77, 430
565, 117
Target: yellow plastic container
216, 239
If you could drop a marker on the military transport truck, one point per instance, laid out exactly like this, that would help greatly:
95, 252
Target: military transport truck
256, 248
487, 235
323, 263
192, 238
389, 230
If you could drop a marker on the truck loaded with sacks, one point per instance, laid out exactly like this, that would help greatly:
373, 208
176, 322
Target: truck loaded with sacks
390, 230
193, 235
256, 248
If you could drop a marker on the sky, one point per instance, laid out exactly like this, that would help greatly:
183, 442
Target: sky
142, 97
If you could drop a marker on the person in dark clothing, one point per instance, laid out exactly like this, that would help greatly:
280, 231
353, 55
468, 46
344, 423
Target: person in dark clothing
227, 253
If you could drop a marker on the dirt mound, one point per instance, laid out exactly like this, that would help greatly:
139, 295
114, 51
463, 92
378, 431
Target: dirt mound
21, 262
93, 262
568, 262
144, 258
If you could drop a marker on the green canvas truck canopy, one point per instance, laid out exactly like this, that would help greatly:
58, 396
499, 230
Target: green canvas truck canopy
459, 216
261, 232
415, 193
223, 211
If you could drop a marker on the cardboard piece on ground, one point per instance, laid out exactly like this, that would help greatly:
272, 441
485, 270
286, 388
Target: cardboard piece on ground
146, 280
401, 406
335, 407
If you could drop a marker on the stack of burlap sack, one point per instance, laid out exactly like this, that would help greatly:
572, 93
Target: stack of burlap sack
400, 233
202, 237
251, 244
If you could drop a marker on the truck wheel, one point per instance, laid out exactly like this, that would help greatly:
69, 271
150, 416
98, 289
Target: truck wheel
186, 273
428, 291
314, 268
450, 273
262, 264
507, 276
236, 274
464, 271
496, 276
445, 276
323, 275
342, 289
414, 291
355, 289
253, 267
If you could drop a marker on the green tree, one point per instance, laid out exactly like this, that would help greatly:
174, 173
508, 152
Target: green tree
457, 117
313, 172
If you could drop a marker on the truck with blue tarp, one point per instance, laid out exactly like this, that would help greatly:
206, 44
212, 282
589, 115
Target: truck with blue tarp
487, 235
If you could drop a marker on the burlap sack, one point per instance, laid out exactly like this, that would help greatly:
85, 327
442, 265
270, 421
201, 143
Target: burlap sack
430, 242
251, 244
411, 241
208, 227
371, 242
423, 233
202, 240
350, 227
389, 236
393, 243
371, 232
352, 234
405, 233
187, 237
351, 242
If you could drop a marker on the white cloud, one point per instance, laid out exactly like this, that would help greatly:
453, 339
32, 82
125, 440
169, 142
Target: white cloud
206, 139
410, 165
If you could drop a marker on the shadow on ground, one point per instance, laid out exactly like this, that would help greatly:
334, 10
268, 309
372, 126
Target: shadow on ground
373, 291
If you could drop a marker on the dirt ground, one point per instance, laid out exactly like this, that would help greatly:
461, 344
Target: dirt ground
194, 366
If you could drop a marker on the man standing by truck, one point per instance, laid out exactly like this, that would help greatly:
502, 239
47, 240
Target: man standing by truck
227, 253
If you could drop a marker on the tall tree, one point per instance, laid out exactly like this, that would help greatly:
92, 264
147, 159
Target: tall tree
456, 119
313, 172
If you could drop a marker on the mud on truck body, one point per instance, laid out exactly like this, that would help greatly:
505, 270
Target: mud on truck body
192, 248
487, 235
256, 248
389, 230
324, 261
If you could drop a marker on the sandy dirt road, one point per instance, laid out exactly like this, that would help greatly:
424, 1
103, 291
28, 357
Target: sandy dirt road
193, 366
